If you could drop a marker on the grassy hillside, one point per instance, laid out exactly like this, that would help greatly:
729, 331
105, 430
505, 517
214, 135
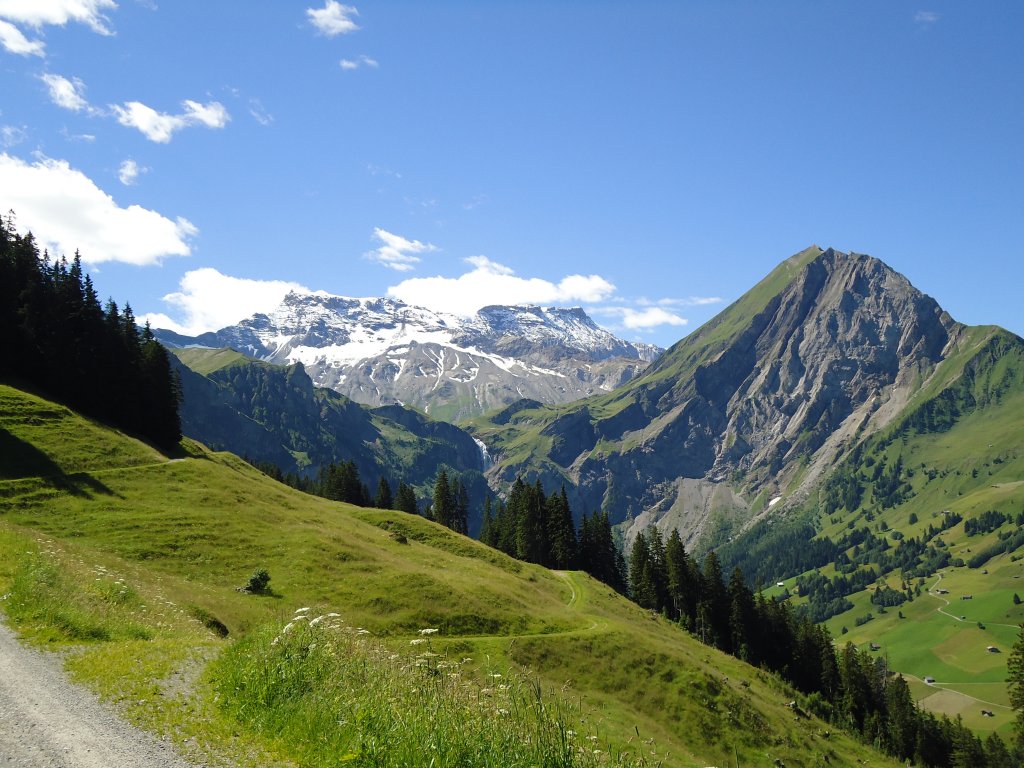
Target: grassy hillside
959, 448
274, 414
105, 542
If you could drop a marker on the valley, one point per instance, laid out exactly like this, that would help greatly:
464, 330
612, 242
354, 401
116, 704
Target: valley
833, 432
182, 535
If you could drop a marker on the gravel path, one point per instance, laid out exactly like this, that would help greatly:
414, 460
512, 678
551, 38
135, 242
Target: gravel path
46, 722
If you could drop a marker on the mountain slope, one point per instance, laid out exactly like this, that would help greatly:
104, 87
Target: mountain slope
181, 535
383, 351
752, 408
275, 414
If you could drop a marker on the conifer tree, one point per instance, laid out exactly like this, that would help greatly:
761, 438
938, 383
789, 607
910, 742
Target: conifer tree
383, 499
487, 527
1015, 686
405, 499
561, 532
443, 507
715, 601
641, 574
460, 523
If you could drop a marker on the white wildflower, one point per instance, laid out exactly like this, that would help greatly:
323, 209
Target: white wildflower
428, 631
316, 621
302, 610
417, 641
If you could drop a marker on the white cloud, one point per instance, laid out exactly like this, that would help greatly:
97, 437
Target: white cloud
651, 317
65, 93
376, 170
334, 18
689, 301
87, 137
14, 41
926, 17
11, 135
492, 283
645, 315
259, 113
349, 64
39, 13
397, 252
129, 171
161, 127
67, 211
208, 301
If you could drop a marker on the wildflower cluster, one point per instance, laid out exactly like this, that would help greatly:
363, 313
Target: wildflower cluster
336, 694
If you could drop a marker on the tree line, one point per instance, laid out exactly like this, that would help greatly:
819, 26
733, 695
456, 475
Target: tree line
340, 481
64, 344
538, 528
848, 687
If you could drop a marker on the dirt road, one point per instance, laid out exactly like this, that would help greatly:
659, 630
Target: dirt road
45, 722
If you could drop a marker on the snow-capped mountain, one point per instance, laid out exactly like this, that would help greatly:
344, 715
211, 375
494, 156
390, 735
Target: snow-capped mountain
381, 351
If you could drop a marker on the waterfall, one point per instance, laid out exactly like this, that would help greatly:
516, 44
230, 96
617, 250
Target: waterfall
485, 457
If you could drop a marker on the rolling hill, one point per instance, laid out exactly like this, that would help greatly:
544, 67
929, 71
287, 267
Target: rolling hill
142, 553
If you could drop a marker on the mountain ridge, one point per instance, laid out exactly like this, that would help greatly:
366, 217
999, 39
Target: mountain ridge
380, 351
274, 414
755, 405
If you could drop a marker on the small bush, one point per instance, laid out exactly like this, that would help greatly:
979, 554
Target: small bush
258, 583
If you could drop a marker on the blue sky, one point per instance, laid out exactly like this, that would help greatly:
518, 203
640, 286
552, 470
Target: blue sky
649, 161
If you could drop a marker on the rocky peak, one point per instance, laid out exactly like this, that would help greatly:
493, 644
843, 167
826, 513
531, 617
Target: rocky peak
828, 347
846, 333
379, 351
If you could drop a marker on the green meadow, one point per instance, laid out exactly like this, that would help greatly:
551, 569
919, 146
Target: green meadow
136, 559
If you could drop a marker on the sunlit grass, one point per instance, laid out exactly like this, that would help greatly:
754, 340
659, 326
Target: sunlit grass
337, 695
51, 608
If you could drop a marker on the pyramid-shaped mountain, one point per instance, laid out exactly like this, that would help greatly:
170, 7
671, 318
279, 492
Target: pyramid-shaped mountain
754, 409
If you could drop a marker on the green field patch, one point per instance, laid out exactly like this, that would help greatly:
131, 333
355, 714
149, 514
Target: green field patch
987, 693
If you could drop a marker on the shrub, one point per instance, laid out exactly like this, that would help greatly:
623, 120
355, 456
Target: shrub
258, 583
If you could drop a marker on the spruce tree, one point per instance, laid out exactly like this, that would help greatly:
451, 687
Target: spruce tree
1015, 686
405, 499
460, 522
443, 507
383, 499
641, 574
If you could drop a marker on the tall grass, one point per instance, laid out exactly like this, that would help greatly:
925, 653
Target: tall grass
47, 604
331, 694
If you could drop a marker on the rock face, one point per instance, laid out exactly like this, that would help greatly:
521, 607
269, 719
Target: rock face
761, 399
383, 351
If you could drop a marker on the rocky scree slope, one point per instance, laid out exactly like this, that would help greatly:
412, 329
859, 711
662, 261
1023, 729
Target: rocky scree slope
382, 351
750, 411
